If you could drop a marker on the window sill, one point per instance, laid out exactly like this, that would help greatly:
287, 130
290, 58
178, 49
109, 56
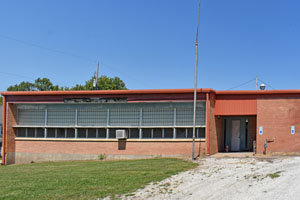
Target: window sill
107, 140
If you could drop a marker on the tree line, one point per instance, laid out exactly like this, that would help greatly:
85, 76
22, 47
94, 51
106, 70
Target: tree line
44, 84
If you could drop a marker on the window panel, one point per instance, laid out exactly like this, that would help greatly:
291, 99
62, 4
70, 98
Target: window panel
40, 132
201, 132
158, 116
30, 132
70, 133
168, 133
190, 133
112, 133
60, 132
51, 132
180, 132
21, 132
124, 115
101, 133
81, 133
157, 133
31, 116
146, 132
134, 133
89, 116
92, 132
61, 117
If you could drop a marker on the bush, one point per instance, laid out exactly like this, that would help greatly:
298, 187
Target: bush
101, 156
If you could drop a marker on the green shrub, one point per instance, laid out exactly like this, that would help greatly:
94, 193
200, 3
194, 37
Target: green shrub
101, 156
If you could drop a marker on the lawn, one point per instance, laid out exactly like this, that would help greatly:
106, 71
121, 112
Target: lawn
84, 179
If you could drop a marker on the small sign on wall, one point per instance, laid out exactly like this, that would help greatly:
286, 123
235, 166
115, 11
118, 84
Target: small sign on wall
260, 130
292, 130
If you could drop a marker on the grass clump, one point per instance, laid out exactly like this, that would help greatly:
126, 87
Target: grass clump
84, 179
274, 175
101, 156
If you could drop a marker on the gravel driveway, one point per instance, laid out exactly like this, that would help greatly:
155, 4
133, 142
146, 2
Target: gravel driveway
230, 178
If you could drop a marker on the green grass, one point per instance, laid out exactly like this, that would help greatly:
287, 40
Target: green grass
274, 175
84, 179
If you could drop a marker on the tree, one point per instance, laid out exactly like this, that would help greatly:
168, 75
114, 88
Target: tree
40, 84
104, 83
23, 86
44, 84
1, 101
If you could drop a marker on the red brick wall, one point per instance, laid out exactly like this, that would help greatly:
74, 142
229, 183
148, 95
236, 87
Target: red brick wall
213, 143
277, 116
10, 132
252, 132
109, 148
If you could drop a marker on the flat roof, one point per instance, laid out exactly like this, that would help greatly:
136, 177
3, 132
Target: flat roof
149, 91
109, 92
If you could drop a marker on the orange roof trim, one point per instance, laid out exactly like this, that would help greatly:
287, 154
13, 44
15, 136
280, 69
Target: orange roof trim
93, 92
149, 91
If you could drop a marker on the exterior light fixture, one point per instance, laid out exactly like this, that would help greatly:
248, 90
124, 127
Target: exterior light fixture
262, 86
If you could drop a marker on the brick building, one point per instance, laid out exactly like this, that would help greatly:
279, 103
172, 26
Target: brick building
74, 125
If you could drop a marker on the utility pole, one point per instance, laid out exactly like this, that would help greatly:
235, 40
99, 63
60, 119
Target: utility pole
256, 81
195, 86
96, 77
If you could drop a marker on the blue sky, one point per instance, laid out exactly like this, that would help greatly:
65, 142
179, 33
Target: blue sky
150, 44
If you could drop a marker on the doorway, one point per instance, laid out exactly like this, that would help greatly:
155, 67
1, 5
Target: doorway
236, 134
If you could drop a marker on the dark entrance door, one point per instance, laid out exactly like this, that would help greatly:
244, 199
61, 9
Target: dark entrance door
236, 133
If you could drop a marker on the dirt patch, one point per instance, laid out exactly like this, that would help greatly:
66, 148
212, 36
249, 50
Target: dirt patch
230, 178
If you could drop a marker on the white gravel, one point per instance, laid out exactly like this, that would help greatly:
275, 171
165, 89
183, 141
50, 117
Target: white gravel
230, 178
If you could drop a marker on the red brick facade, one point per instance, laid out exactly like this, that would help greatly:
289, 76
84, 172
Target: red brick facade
109, 147
275, 111
276, 116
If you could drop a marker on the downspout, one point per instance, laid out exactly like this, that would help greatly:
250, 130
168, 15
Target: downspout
4, 131
207, 124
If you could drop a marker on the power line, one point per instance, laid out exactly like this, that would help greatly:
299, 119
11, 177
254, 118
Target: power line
266, 84
256, 78
245, 83
17, 75
64, 53
47, 48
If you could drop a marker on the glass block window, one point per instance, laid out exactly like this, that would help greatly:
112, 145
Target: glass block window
31, 117
62, 117
124, 116
158, 116
89, 116
185, 113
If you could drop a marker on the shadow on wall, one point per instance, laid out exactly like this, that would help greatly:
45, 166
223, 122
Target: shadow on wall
121, 144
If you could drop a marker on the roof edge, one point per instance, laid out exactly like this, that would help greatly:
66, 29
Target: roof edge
148, 91
256, 92
104, 92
